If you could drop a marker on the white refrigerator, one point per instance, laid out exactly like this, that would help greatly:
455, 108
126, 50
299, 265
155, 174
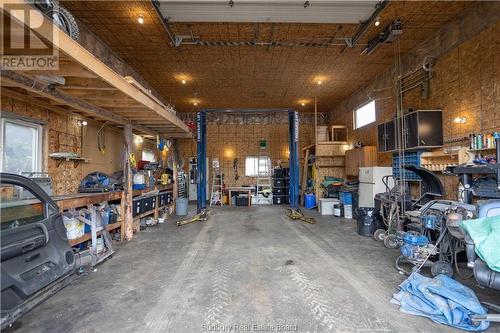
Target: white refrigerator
370, 183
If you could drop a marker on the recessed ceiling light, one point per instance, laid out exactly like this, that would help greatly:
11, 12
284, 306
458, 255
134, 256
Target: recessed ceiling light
320, 82
377, 22
303, 103
195, 103
183, 81
140, 19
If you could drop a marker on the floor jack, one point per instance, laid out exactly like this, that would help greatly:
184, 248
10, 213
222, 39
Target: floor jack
202, 216
296, 214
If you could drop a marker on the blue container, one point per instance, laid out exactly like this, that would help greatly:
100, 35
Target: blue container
310, 201
346, 198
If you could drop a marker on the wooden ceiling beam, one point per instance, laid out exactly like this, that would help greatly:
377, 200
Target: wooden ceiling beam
42, 89
86, 59
25, 97
85, 84
95, 94
66, 69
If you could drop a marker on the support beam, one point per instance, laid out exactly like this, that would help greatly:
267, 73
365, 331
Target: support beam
201, 141
44, 90
26, 98
127, 230
87, 60
293, 127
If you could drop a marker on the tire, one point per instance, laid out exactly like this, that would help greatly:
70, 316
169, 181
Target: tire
379, 235
441, 267
391, 242
65, 21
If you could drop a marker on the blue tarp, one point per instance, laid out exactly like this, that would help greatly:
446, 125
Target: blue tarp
441, 299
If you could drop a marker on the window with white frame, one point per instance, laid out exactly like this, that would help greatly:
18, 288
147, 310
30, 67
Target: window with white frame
21, 146
253, 167
148, 155
364, 115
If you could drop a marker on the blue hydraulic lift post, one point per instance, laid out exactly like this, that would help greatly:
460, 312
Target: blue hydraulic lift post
201, 136
201, 155
293, 141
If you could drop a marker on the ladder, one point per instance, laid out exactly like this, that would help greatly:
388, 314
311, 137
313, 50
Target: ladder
264, 183
217, 184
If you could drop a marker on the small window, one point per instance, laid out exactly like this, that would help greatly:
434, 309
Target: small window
253, 167
148, 155
364, 115
22, 146
15, 211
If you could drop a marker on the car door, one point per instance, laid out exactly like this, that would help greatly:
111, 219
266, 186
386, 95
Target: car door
34, 248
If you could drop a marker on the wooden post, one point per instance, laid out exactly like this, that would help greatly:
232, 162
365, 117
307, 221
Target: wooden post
127, 230
315, 121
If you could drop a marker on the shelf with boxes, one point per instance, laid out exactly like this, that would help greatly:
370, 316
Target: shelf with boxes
438, 160
326, 159
281, 186
71, 204
150, 205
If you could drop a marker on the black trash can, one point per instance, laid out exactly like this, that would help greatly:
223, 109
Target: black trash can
367, 221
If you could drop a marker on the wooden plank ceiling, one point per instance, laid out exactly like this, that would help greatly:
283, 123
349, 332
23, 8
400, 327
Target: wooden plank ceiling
255, 76
90, 89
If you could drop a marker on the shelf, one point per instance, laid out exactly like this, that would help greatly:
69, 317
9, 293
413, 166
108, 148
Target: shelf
329, 156
482, 149
330, 166
87, 237
76, 160
149, 212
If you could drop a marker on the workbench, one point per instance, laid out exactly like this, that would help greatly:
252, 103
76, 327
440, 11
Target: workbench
81, 200
245, 189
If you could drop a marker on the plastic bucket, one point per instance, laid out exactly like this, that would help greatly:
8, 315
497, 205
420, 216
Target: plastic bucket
310, 201
181, 206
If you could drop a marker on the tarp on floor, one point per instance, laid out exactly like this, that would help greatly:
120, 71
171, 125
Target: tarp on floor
442, 299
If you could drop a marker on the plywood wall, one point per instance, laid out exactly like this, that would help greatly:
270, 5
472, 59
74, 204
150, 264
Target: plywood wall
465, 83
229, 141
62, 134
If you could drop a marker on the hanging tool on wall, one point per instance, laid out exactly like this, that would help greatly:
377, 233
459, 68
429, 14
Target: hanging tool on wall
235, 168
101, 139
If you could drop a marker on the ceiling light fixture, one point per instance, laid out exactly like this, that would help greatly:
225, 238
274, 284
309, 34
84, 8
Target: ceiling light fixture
183, 81
303, 104
140, 19
460, 120
377, 22
319, 82
81, 123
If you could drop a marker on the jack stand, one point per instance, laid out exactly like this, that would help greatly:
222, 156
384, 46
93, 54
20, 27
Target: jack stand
296, 214
203, 216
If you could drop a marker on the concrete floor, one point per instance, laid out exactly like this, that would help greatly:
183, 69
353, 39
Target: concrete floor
244, 266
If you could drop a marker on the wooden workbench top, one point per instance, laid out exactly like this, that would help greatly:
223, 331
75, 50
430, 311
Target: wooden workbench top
76, 200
